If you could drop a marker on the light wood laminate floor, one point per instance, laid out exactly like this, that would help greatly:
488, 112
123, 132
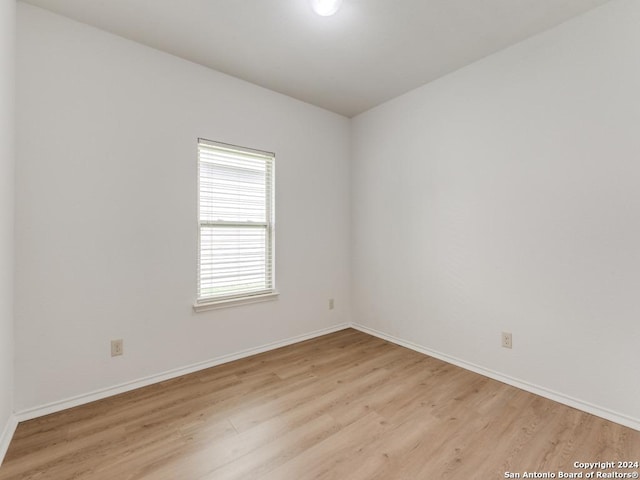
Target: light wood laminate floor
342, 406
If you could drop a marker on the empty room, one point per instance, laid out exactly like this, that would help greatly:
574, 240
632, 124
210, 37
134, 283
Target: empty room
319, 239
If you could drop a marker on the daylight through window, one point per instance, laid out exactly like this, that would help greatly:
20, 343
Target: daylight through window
235, 213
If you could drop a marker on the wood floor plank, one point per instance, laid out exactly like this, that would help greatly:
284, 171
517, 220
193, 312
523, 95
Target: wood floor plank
342, 406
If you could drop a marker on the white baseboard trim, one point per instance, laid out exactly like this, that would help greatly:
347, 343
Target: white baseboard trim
7, 435
53, 407
521, 384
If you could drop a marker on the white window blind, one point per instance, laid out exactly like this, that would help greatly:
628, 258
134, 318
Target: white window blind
235, 212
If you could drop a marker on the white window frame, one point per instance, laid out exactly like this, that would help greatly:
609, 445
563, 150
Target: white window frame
208, 302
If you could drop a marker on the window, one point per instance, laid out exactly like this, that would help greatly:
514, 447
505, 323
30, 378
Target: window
235, 217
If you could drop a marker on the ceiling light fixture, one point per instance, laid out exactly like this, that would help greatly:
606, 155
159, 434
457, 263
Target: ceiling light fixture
325, 8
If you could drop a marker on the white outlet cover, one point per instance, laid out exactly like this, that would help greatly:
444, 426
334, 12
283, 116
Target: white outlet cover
117, 348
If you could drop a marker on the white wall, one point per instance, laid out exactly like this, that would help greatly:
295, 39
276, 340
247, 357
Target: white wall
106, 210
506, 196
7, 60
502, 197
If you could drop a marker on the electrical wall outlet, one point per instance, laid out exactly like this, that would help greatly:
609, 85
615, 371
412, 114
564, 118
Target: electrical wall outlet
507, 340
116, 348
331, 304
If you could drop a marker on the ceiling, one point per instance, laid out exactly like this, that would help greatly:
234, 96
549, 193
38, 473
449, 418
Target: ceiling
369, 52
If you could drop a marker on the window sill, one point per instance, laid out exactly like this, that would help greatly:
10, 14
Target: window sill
234, 302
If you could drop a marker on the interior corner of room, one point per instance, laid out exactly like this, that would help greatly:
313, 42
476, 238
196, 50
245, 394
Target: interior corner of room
501, 198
